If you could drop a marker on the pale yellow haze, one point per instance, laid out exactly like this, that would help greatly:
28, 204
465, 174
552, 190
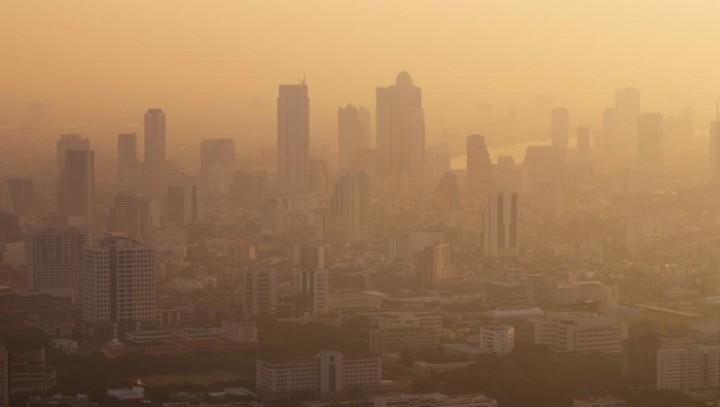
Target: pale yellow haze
204, 61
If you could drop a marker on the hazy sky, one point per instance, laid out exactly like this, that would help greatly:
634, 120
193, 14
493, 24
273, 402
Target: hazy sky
203, 61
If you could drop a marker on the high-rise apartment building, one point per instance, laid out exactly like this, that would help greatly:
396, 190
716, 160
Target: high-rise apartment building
650, 143
217, 164
55, 260
433, 264
400, 126
69, 142
76, 187
349, 207
185, 203
560, 128
127, 153
479, 167
313, 285
500, 226
353, 137
118, 284
259, 292
155, 153
293, 140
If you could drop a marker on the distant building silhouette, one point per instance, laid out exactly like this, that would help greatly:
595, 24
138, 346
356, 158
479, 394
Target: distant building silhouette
185, 203
155, 153
650, 143
560, 128
127, 153
293, 140
69, 142
76, 187
500, 230
353, 137
349, 207
480, 181
400, 126
217, 164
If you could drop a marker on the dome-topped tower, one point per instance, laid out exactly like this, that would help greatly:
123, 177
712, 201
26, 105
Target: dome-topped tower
403, 79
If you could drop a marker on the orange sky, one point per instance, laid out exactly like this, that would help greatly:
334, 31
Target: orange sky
203, 61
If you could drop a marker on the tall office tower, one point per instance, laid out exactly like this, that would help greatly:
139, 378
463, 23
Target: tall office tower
349, 206
433, 264
714, 155
500, 227
626, 112
69, 142
76, 187
4, 377
313, 285
55, 260
293, 140
583, 145
155, 158
250, 189
127, 153
260, 292
217, 164
447, 194
130, 215
438, 160
480, 181
118, 284
353, 137
400, 127
560, 128
185, 203
650, 142
21, 195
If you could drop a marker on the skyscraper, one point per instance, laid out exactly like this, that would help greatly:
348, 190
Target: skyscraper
69, 142
650, 142
560, 128
155, 154
260, 292
55, 260
400, 126
118, 284
626, 112
479, 167
433, 264
312, 284
127, 152
76, 187
217, 164
500, 231
293, 140
185, 203
353, 137
349, 206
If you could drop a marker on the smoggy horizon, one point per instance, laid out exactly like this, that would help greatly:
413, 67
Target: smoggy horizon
214, 68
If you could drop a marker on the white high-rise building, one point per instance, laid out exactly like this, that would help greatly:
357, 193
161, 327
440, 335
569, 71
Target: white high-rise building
260, 292
118, 283
293, 140
55, 259
349, 207
155, 152
500, 226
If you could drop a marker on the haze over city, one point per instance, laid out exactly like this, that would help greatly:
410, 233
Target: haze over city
359, 203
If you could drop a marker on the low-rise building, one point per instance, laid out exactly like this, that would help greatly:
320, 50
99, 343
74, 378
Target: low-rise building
240, 331
580, 332
497, 339
328, 372
411, 338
